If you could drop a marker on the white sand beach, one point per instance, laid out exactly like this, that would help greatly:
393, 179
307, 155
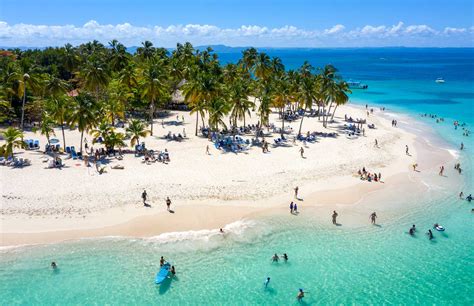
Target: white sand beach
207, 191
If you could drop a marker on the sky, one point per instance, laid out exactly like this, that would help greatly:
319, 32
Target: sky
259, 23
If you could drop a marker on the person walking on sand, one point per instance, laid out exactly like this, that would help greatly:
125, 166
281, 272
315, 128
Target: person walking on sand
144, 196
302, 152
373, 217
168, 203
441, 170
376, 143
414, 166
406, 150
296, 191
207, 150
295, 208
334, 216
291, 207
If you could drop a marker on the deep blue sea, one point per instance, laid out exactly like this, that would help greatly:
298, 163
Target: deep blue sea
357, 264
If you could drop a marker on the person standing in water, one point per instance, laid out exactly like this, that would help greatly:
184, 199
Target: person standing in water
430, 234
267, 281
144, 196
300, 294
54, 265
162, 261
441, 170
285, 256
462, 146
373, 217
275, 258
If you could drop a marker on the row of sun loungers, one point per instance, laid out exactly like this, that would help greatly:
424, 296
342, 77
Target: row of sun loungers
32, 144
14, 162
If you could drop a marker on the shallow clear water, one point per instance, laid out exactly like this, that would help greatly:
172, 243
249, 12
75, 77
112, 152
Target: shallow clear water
355, 263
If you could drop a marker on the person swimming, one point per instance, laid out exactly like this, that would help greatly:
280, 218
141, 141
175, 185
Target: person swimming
275, 258
430, 234
267, 281
285, 257
300, 294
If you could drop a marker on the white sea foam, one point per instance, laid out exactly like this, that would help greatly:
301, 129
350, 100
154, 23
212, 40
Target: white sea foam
236, 228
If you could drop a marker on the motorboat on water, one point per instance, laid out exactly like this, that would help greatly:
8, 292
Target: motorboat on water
439, 80
356, 85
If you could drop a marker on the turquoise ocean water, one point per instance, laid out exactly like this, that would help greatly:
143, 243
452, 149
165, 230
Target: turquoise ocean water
351, 264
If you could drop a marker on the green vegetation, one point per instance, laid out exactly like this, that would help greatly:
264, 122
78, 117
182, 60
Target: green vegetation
92, 86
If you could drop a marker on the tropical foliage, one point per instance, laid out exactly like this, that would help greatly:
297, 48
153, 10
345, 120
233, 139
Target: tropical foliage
92, 87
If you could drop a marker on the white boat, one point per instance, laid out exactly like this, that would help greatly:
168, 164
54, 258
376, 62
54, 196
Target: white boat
356, 85
439, 80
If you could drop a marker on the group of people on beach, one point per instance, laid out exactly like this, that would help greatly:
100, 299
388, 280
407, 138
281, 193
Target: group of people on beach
365, 175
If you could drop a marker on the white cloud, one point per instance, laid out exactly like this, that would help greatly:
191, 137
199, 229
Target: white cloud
335, 29
419, 29
449, 30
256, 35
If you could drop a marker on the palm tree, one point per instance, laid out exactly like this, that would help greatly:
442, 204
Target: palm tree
306, 88
114, 139
57, 108
239, 103
341, 97
83, 114
154, 86
23, 80
13, 139
281, 97
135, 130
119, 57
218, 108
101, 131
47, 126
118, 97
199, 91
146, 51
94, 77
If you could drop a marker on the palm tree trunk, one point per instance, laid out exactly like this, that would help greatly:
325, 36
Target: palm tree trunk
282, 121
197, 120
152, 111
82, 136
64, 137
334, 112
301, 122
23, 109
